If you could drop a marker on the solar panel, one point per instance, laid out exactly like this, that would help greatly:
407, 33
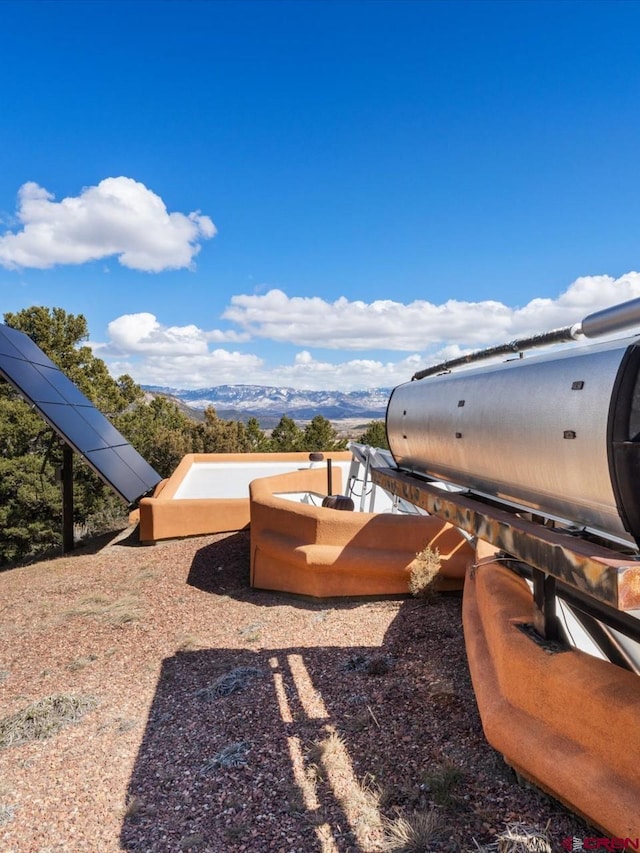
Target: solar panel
27, 349
73, 416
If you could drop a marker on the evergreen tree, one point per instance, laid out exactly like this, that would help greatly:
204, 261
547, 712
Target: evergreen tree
30, 452
30, 508
257, 440
59, 335
286, 436
160, 432
217, 435
320, 434
375, 435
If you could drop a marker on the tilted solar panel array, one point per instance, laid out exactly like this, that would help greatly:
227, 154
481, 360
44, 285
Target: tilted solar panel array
73, 416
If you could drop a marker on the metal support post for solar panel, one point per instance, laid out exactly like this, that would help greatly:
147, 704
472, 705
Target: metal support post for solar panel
67, 498
545, 620
365, 480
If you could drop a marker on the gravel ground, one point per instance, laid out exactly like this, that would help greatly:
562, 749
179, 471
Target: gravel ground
218, 718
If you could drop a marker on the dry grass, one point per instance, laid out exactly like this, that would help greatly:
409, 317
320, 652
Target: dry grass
189, 642
44, 718
441, 781
330, 762
233, 755
6, 814
251, 633
423, 573
122, 611
133, 806
520, 838
414, 833
81, 662
370, 664
230, 682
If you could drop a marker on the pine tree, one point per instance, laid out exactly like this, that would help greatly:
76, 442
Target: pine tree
160, 432
257, 440
30, 452
286, 436
375, 435
320, 434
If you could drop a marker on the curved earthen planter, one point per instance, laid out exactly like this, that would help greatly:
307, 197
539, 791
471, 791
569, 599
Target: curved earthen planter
324, 552
163, 516
566, 720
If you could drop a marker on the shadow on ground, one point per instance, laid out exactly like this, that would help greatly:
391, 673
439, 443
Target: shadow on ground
223, 568
222, 565
308, 749
301, 749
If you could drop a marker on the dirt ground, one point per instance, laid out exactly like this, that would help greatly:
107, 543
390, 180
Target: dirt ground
212, 717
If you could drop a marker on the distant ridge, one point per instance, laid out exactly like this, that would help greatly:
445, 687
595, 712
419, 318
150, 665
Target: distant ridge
265, 402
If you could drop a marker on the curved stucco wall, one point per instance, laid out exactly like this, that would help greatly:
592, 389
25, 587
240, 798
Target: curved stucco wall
322, 552
166, 516
565, 720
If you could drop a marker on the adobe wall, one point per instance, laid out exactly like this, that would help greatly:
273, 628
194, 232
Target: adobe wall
312, 550
565, 720
164, 517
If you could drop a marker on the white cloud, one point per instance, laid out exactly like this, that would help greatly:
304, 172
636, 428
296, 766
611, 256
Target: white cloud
219, 367
307, 372
180, 356
418, 325
142, 333
118, 217
222, 367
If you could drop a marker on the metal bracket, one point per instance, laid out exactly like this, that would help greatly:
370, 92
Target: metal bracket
545, 619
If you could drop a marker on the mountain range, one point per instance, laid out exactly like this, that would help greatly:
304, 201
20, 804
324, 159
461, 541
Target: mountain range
266, 403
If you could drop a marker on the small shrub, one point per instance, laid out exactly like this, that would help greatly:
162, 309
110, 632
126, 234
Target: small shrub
519, 838
441, 782
325, 754
315, 765
423, 573
251, 633
356, 663
378, 789
44, 718
413, 834
230, 682
133, 806
123, 726
6, 814
358, 722
252, 637
233, 755
145, 575
370, 664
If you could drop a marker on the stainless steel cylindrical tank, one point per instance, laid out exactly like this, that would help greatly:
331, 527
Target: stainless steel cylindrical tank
553, 433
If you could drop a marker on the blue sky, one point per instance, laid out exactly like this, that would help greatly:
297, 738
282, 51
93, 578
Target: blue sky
316, 194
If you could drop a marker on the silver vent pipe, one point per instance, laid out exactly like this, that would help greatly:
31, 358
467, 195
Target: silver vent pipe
613, 319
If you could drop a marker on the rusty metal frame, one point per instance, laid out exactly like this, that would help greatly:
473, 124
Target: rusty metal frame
600, 572
593, 614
